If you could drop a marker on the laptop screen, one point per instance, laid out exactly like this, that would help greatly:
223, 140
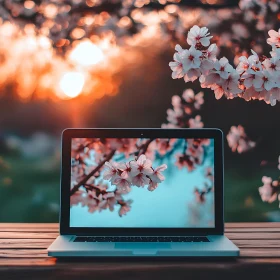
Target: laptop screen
140, 182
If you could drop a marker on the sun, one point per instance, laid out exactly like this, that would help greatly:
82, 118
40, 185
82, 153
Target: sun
86, 54
72, 84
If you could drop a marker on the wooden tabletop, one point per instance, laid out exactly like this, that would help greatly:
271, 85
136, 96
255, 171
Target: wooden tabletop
23, 255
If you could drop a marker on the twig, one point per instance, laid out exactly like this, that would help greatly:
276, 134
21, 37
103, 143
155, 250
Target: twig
85, 179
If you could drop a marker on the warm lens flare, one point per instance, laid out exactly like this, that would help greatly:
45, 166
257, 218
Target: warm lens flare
86, 54
72, 84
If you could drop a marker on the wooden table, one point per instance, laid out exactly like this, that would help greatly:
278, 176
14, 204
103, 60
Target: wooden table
23, 255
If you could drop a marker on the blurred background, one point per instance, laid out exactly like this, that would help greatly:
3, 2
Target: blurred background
104, 63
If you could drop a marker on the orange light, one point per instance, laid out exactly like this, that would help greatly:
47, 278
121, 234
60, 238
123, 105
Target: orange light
72, 84
86, 54
29, 5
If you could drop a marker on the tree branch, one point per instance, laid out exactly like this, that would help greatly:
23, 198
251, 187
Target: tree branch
85, 179
144, 147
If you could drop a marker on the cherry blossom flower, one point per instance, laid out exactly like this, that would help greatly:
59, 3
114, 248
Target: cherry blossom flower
126, 169
264, 80
266, 191
77, 197
177, 65
142, 165
230, 84
198, 35
238, 140
191, 59
274, 38
272, 64
223, 68
197, 99
183, 160
152, 186
140, 180
183, 111
125, 207
111, 172
157, 176
196, 122
122, 183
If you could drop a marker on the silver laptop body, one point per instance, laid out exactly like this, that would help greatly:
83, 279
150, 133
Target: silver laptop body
142, 192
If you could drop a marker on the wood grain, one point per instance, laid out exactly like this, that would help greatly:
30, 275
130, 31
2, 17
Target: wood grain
24, 246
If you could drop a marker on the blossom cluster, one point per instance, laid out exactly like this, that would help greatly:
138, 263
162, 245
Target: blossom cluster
184, 110
201, 194
98, 198
259, 11
201, 209
270, 190
193, 154
238, 140
254, 78
138, 173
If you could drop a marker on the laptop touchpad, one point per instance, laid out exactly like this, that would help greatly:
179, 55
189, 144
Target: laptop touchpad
142, 245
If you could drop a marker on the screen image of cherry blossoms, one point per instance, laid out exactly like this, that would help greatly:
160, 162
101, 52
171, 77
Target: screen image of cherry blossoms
142, 183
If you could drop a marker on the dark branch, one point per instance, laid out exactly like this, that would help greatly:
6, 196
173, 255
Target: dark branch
86, 178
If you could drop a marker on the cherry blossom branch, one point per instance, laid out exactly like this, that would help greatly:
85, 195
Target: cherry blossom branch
254, 78
238, 140
86, 178
99, 198
138, 173
143, 149
201, 194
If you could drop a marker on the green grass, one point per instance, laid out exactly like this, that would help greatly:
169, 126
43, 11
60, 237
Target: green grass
33, 194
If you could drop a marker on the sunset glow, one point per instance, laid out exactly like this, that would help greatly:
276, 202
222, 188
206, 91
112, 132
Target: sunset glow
72, 84
86, 54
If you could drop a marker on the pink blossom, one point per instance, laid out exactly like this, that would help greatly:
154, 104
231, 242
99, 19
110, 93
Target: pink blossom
211, 52
218, 91
157, 175
191, 59
196, 122
111, 172
198, 35
125, 207
126, 169
152, 186
123, 184
272, 64
264, 80
140, 180
223, 68
197, 99
266, 191
191, 75
230, 84
238, 140
274, 38
77, 197
183, 160
177, 65
142, 165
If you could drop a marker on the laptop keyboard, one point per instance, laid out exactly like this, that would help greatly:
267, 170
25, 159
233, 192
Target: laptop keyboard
141, 239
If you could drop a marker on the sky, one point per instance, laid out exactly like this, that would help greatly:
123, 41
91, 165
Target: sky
167, 206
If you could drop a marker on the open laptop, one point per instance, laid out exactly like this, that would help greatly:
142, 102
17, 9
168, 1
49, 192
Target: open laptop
142, 192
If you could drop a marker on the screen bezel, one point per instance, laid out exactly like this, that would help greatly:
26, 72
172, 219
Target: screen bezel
212, 133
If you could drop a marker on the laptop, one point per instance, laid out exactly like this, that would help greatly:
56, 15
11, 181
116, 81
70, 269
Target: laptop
142, 192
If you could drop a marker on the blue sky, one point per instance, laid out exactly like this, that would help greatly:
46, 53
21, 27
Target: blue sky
167, 206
